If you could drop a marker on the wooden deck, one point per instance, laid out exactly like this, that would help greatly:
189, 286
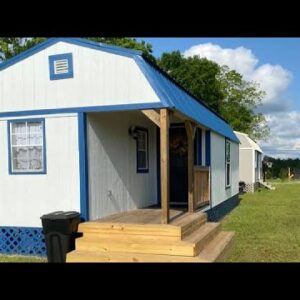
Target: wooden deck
139, 236
144, 216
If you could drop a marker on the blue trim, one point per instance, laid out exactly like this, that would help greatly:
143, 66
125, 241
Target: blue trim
9, 122
83, 166
103, 47
221, 210
207, 147
176, 97
137, 156
28, 53
104, 108
22, 241
170, 93
53, 58
75, 41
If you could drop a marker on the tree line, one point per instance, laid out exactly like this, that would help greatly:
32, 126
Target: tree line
280, 167
224, 90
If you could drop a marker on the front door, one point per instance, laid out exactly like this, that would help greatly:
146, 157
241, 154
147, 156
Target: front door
178, 165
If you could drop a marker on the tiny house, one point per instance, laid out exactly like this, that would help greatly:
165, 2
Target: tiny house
99, 129
250, 164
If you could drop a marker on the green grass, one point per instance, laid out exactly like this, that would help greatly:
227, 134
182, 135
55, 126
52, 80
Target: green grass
267, 225
17, 258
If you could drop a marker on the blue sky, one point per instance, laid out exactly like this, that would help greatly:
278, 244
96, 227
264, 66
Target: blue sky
272, 62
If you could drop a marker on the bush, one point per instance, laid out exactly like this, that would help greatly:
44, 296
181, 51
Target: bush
283, 174
269, 174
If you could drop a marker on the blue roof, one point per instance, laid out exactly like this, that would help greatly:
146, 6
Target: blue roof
76, 41
170, 93
173, 96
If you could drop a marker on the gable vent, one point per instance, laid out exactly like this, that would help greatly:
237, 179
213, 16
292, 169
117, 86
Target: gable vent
61, 66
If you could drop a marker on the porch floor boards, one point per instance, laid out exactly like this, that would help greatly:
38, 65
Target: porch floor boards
145, 216
138, 236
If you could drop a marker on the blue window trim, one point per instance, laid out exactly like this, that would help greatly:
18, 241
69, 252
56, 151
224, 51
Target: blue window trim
83, 166
137, 168
9, 122
53, 58
207, 148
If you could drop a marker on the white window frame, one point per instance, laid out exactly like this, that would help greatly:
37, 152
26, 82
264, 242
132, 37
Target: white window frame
146, 150
227, 163
11, 146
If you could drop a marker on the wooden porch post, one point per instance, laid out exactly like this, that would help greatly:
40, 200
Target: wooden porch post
190, 130
164, 165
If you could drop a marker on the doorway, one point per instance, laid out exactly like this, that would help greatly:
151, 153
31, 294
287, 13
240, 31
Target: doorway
178, 165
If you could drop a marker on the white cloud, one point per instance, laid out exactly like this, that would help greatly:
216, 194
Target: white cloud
284, 141
273, 79
239, 59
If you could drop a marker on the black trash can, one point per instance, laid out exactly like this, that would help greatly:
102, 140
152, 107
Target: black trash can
60, 230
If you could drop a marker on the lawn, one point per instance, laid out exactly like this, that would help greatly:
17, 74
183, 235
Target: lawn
267, 225
21, 259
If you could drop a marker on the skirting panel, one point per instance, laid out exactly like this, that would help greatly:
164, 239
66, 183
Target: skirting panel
218, 212
251, 187
22, 241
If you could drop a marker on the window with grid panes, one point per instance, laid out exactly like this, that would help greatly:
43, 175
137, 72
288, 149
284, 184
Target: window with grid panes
27, 146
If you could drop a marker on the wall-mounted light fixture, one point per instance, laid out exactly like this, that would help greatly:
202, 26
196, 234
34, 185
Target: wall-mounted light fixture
133, 132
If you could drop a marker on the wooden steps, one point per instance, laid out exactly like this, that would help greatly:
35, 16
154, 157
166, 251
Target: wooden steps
189, 238
94, 256
179, 228
218, 248
202, 236
266, 185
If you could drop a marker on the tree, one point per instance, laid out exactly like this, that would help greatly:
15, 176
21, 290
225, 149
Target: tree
238, 107
198, 76
130, 43
10, 47
283, 174
224, 90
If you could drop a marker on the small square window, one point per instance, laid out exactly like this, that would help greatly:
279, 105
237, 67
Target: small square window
61, 66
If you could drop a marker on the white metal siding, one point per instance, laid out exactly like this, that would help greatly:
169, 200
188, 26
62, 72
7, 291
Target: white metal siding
246, 167
100, 78
114, 184
219, 192
24, 198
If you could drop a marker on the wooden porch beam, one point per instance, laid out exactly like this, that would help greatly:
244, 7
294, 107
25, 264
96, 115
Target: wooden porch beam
164, 165
190, 130
152, 115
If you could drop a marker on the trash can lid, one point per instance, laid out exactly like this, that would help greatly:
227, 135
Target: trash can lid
61, 215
